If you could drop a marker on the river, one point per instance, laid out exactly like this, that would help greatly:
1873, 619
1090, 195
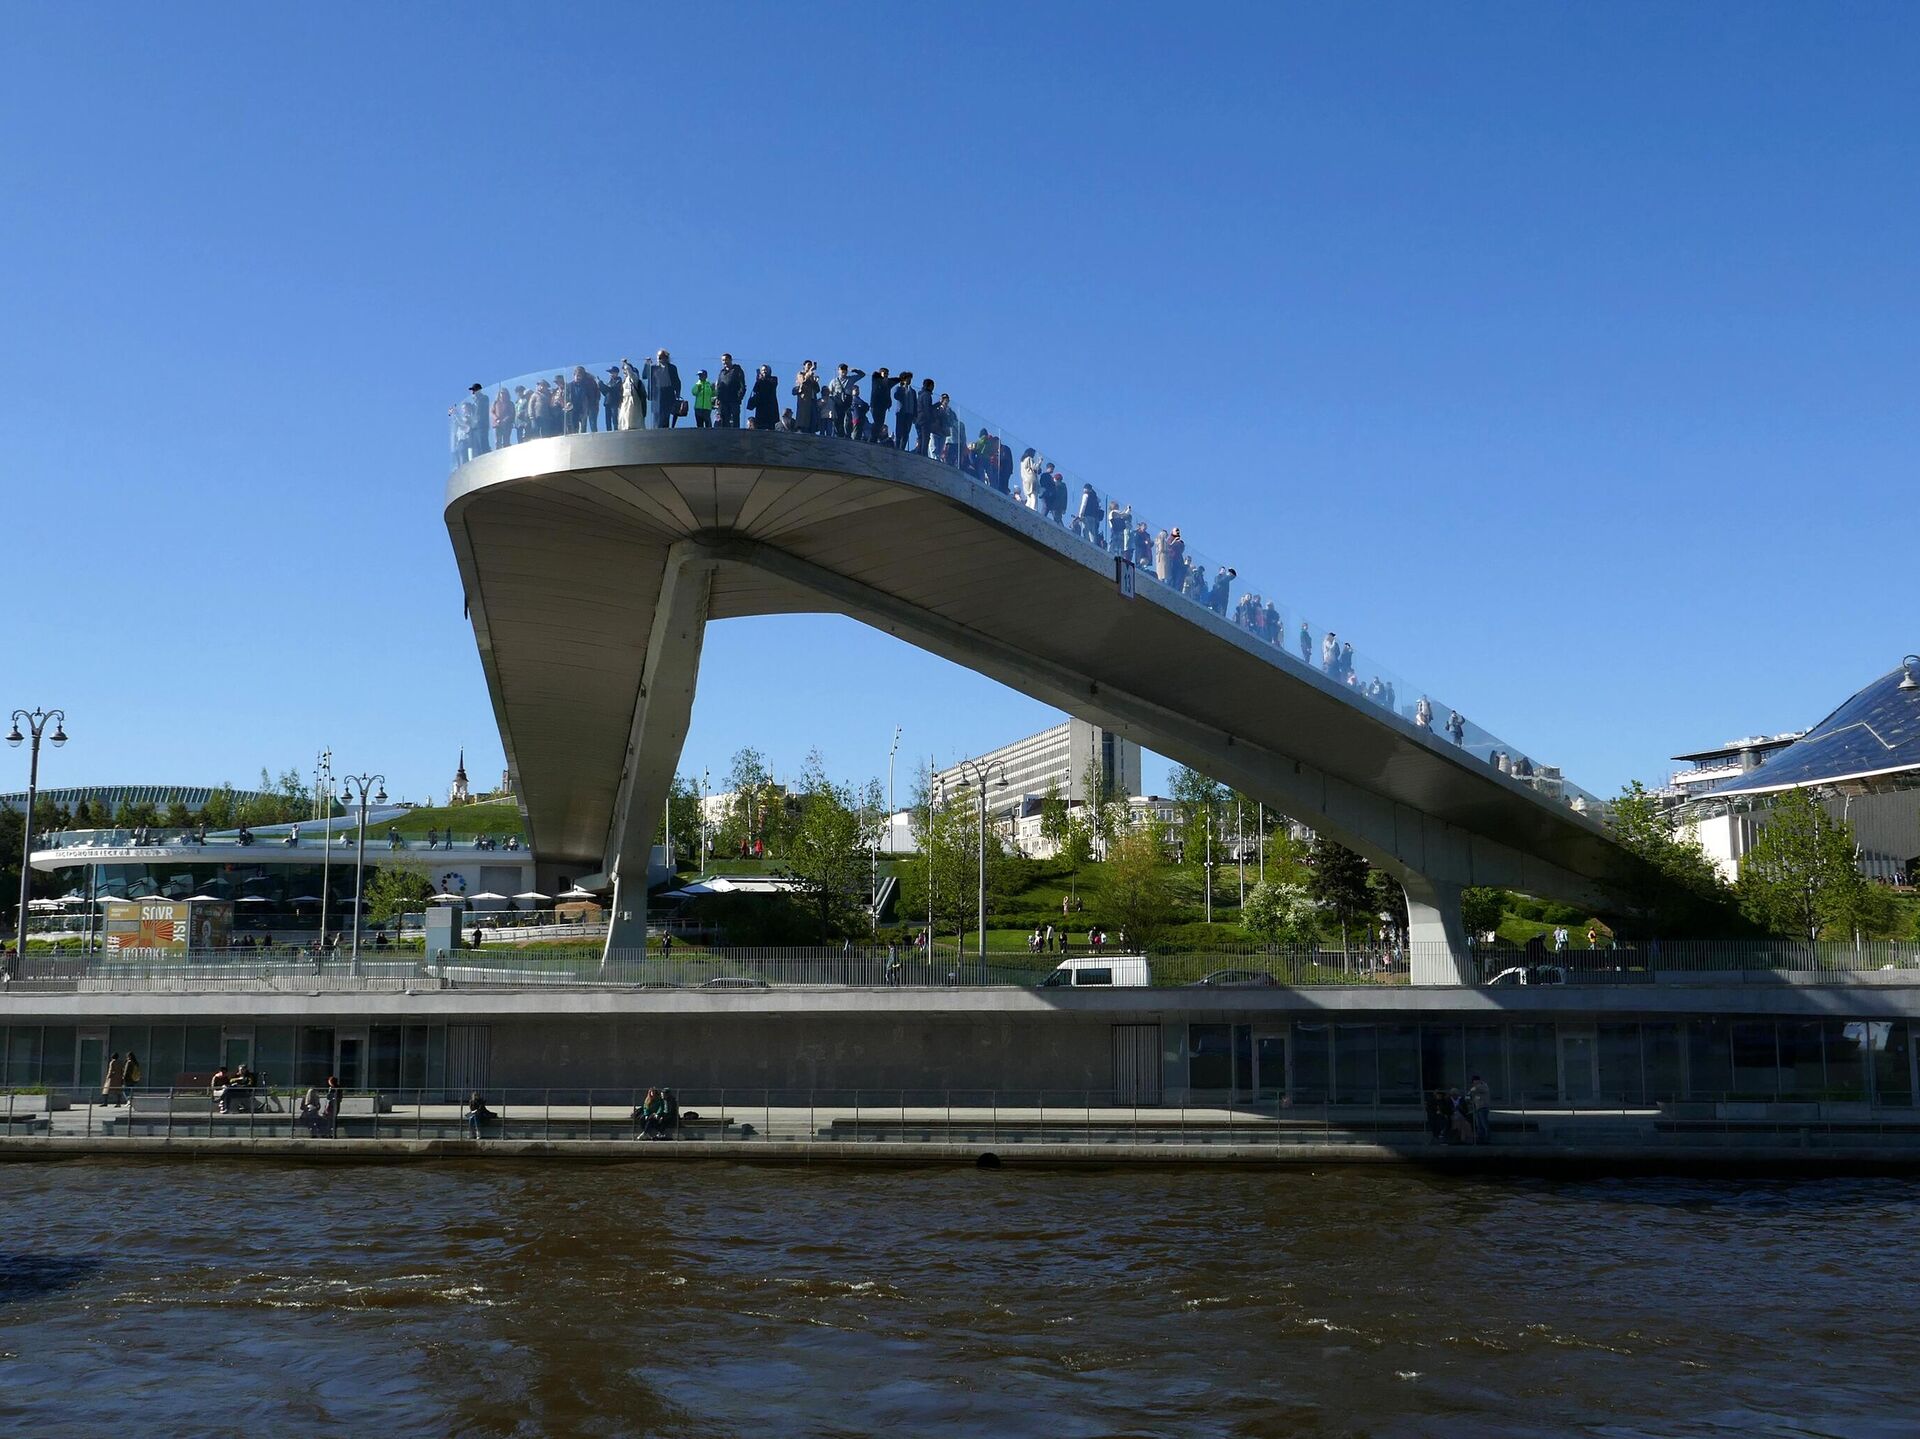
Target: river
497, 1298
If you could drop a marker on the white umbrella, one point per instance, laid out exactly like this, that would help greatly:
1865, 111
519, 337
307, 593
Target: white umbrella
578, 893
205, 899
487, 894
533, 894
45, 903
305, 899
445, 898
149, 898
253, 899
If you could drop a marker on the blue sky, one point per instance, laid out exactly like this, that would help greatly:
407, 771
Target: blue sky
1563, 356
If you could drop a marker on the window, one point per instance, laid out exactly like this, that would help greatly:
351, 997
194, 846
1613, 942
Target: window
1802, 1075
1892, 1068
1399, 1062
1312, 1062
1536, 1063
1620, 1077
1486, 1057
1210, 1056
1093, 976
1756, 1060
1355, 1070
1845, 1044
1661, 1057
1709, 1059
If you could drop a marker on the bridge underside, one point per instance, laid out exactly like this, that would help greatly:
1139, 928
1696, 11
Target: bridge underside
592, 564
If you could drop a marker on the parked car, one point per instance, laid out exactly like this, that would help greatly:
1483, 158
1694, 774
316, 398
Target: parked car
1235, 979
1530, 974
733, 981
1117, 971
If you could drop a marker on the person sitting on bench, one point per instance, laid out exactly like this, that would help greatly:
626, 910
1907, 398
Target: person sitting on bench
478, 1114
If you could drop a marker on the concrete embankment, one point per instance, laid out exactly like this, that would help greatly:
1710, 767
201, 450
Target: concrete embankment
1562, 1160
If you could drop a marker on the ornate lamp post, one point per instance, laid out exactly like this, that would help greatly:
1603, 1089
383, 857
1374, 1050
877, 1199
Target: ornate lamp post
36, 721
323, 796
362, 783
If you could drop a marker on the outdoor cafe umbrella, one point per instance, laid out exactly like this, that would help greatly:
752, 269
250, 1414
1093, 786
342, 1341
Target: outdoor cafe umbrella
487, 894
305, 899
578, 893
45, 903
253, 899
533, 894
445, 898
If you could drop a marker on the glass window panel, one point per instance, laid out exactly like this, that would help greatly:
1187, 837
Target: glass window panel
1661, 1060
1442, 1056
1535, 1055
1210, 1056
1312, 1062
1709, 1059
316, 1056
203, 1048
1756, 1060
413, 1058
23, 1055
1355, 1064
1892, 1070
383, 1070
125, 1039
437, 1056
273, 1052
1620, 1075
1486, 1046
58, 1043
1845, 1042
169, 1055
1243, 1058
1399, 1062
1802, 1072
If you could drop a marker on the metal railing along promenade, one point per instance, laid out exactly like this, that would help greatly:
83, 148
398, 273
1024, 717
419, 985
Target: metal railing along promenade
846, 1119
903, 967
554, 402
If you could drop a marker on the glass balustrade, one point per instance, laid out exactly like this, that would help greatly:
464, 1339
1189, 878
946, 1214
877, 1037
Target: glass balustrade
792, 399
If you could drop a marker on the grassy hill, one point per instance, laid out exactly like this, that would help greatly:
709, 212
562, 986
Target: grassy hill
496, 817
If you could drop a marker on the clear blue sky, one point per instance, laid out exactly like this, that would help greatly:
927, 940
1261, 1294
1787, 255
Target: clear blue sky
1563, 356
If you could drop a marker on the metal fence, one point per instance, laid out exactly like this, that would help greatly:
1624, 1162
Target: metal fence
687, 966
843, 1119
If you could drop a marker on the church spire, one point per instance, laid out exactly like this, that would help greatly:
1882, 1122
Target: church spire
459, 794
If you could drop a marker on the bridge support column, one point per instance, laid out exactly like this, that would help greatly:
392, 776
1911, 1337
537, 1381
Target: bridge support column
658, 732
1436, 935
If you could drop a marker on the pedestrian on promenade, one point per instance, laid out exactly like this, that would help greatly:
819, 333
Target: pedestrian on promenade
134, 1075
806, 398
906, 405
1480, 1097
502, 417
703, 394
115, 1080
926, 419
1439, 1115
1456, 727
840, 394
730, 389
330, 1106
583, 393
1423, 713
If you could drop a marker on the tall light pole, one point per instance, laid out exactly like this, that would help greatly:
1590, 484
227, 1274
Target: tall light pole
323, 795
1240, 850
977, 776
706, 787
36, 726
362, 783
891, 811
933, 799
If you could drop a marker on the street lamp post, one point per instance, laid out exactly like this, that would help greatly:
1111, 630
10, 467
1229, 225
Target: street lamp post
977, 776
891, 811
323, 795
362, 783
36, 726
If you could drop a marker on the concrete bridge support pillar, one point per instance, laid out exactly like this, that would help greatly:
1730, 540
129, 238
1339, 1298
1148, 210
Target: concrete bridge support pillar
1436, 934
656, 736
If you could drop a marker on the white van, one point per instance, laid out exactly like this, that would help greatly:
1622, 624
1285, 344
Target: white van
1106, 971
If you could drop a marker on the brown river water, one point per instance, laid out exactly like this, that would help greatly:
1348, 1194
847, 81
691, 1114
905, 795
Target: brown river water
497, 1298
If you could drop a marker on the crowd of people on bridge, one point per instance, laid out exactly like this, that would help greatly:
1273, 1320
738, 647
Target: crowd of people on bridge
910, 413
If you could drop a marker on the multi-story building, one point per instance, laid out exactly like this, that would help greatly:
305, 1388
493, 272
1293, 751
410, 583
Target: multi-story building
1065, 757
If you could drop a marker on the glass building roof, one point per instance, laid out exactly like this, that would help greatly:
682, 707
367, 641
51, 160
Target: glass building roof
1874, 737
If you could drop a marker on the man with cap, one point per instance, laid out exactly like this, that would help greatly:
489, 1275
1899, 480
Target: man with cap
730, 390
703, 393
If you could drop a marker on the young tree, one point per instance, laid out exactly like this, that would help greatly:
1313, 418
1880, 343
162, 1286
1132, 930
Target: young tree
1680, 890
1137, 898
1481, 909
393, 890
949, 839
830, 855
682, 812
1799, 878
1338, 883
1282, 915
1200, 800
1055, 822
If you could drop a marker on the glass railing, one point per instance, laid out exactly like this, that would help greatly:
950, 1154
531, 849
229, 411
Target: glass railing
314, 836
579, 399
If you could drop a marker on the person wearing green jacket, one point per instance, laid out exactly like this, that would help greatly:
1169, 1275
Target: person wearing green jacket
703, 393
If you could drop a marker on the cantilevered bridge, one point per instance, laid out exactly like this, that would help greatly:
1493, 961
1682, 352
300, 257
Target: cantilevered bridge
594, 562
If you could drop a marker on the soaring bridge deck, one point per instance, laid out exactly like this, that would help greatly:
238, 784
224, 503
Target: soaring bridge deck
592, 563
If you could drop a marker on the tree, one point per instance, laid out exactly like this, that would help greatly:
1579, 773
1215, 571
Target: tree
1481, 909
829, 855
1282, 914
1680, 890
1799, 878
682, 811
1200, 800
1137, 897
1338, 883
949, 840
393, 890
1055, 822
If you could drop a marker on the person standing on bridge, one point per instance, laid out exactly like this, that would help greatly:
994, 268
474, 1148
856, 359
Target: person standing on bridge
703, 393
846, 384
612, 391
1329, 652
765, 400
1456, 727
662, 378
1423, 713
633, 398
926, 419
806, 398
879, 401
730, 388
905, 404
